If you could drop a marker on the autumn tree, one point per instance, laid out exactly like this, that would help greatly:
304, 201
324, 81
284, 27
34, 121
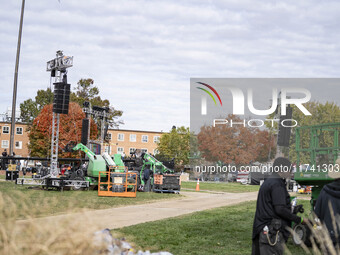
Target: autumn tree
176, 144
266, 149
234, 145
84, 91
69, 130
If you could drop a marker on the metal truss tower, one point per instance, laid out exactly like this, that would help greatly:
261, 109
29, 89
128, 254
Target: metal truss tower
100, 114
57, 67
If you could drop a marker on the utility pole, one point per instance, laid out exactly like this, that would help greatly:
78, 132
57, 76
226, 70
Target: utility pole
16, 80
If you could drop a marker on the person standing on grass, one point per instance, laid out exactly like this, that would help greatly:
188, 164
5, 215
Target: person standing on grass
4, 160
146, 178
273, 211
330, 196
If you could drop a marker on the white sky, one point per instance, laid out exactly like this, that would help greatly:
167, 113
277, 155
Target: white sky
142, 54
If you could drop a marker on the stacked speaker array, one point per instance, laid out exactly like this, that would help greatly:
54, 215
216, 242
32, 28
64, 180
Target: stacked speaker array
85, 131
61, 97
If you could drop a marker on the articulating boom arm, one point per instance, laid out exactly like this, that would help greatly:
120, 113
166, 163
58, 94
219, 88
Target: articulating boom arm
83, 148
154, 161
149, 158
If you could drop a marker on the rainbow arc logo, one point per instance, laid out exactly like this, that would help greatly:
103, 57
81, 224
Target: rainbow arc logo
209, 93
204, 99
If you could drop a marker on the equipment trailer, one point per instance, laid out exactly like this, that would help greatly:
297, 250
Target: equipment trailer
59, 183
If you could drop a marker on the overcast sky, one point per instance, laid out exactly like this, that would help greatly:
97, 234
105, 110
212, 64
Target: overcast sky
142, 54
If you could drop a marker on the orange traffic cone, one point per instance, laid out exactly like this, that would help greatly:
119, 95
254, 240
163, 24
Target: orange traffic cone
198, 185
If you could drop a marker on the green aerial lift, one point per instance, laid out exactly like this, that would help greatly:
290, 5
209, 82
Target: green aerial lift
316, 173
84, 177
323, 150
163, 178
99, 163
156, 166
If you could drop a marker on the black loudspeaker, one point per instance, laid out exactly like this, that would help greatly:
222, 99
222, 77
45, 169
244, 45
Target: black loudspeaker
85, 131
106, 128
283, 136
61, 98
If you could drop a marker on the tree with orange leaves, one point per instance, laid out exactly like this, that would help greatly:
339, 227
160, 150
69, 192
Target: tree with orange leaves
266, 142
69, 130
237, 144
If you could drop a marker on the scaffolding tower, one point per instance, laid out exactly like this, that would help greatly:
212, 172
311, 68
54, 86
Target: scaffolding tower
58, 67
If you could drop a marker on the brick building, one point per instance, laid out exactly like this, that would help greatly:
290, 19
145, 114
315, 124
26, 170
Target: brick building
20, 138
121, 140
127, 141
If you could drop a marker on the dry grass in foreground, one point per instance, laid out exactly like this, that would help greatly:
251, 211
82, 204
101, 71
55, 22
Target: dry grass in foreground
320, 239
30, 238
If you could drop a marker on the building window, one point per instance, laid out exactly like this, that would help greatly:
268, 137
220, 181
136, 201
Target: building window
133, 138
4, 144
144, 150
107, 149
18, 145
132, 150
156, 139
5, 130
120, 150
120, 137
144, 138
19, 130
155, 151
109, 136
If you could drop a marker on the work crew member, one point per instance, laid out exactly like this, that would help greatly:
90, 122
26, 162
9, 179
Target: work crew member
273, 211
330, 194
4, 160
146, 178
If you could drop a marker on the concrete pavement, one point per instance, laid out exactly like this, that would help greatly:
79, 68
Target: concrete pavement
119, 217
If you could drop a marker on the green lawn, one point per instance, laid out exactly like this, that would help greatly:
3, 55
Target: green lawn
221, 186
225, 230
42, 202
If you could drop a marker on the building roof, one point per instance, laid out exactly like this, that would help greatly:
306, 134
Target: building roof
110, 129
140, 131
19, 123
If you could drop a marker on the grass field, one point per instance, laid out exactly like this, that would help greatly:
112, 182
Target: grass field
225, 230
221, 186
51, 202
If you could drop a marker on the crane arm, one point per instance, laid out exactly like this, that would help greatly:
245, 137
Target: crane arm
83, 148
154, 161
150, 158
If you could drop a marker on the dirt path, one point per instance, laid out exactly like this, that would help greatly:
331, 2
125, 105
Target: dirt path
131, 215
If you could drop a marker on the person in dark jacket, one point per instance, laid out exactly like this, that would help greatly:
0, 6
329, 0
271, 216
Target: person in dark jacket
146, 178
4, 160
329, 195
273, 211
